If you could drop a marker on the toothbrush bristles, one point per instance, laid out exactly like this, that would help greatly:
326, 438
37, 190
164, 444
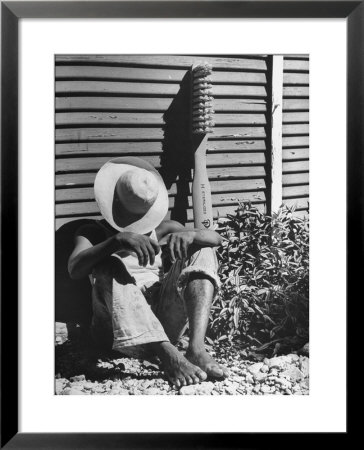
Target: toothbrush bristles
202, 100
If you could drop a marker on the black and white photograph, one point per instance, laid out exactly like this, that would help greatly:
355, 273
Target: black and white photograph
181, 224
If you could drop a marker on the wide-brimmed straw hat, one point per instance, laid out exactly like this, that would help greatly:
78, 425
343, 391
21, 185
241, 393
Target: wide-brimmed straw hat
131, 195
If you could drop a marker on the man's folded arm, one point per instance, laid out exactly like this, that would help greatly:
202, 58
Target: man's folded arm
202, 238
88, 251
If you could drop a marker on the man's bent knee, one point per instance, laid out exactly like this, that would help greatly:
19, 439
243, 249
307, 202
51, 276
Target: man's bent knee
201, 265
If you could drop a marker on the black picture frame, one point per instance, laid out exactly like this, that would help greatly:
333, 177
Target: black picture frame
11, 13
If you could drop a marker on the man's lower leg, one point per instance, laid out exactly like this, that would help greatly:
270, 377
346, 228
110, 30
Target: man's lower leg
198, 297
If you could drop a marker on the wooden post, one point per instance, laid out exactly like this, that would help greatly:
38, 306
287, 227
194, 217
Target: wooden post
276, 133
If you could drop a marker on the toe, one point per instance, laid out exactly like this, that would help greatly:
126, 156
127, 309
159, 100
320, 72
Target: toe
195, 379
201, 374
225, 371
170, 378
215, 371
177, 382
189, 380
183, 381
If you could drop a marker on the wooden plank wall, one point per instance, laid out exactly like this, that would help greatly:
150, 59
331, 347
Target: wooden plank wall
108, 106
296, 132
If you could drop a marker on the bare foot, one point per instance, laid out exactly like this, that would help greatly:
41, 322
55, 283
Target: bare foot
203, 360
179, 371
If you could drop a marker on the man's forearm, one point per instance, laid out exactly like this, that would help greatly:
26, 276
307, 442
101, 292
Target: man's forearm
207, 238
82, 264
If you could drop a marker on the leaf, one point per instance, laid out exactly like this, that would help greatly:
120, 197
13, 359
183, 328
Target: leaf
210, 341
222, 338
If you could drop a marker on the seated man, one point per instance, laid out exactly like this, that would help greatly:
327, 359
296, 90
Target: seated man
138, 309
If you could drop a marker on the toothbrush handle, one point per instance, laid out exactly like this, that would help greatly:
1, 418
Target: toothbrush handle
201, 191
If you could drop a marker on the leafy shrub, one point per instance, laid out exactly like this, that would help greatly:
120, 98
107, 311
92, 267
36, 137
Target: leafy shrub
264, 270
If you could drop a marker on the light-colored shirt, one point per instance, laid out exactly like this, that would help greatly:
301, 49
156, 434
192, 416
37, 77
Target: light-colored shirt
144, 276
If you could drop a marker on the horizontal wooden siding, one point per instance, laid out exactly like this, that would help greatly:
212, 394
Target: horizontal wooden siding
295, 158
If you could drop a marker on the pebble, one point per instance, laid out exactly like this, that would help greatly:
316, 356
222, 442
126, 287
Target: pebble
293, 357
152, 391
73, 391
255, 368
77, 384
66, 391
99, 390
278, 362
260, 377
230, 390
284, 383
293, 373
78, 378
204, 388
187, 390
135, 391
59, 386
305, 350
147, 383
114, 392
304, 366
249, 378
123, 392
237, 379
265, 389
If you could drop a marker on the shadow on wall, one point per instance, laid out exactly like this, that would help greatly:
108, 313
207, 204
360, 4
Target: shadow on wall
177, 157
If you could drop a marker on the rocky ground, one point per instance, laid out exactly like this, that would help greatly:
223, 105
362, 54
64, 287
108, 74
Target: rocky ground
81, 372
